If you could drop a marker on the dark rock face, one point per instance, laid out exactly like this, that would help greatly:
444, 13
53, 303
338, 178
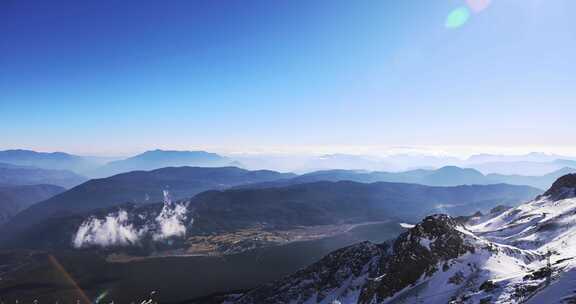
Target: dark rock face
563, 188
499, 209
417, 252
370, 273
340, 268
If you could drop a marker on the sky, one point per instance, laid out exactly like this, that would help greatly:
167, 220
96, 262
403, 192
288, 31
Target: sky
117, 77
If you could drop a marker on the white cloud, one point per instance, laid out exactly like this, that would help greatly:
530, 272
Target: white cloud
117, 230
171, 221
113, 230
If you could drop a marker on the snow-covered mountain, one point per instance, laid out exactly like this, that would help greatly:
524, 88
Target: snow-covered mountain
522, 255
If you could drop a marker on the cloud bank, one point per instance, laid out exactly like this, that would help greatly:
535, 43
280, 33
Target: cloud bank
123, 229
113, 230
171, 219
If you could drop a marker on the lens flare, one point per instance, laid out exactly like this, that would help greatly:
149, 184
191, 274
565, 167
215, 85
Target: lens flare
478, 5
457, 18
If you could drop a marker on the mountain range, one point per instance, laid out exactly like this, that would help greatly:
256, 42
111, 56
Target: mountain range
322, 203
522, 255
445, 176
53, 160
278, 212
107, 166
146, 187
156, 159
139, 187
528, 164
532, 164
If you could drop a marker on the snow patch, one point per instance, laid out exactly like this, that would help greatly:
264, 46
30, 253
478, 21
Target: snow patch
407, 226
424, 242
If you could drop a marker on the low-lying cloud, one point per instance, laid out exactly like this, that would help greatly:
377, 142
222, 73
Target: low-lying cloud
171, 219
113, 230
120, 228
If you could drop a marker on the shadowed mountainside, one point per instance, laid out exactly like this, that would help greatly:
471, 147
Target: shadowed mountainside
336, 202
139, 187
14, 199
26, 175
267, 210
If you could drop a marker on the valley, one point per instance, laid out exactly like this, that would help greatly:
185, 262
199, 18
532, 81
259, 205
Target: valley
178, 278
220, 244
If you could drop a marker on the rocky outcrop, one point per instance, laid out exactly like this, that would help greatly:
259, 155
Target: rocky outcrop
368, 273
563, 188
342, 273
417, 253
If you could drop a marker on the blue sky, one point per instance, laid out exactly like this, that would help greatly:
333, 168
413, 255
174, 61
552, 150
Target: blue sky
109, 77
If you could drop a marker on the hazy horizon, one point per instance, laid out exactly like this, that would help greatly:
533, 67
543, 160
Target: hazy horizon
461, 153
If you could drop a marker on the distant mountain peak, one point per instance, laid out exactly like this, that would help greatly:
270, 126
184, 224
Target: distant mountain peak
16, 153
457, 169
175, 151
563, 188
155, 159
172, 153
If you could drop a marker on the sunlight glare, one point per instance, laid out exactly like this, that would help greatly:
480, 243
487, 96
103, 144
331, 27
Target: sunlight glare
457, 18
